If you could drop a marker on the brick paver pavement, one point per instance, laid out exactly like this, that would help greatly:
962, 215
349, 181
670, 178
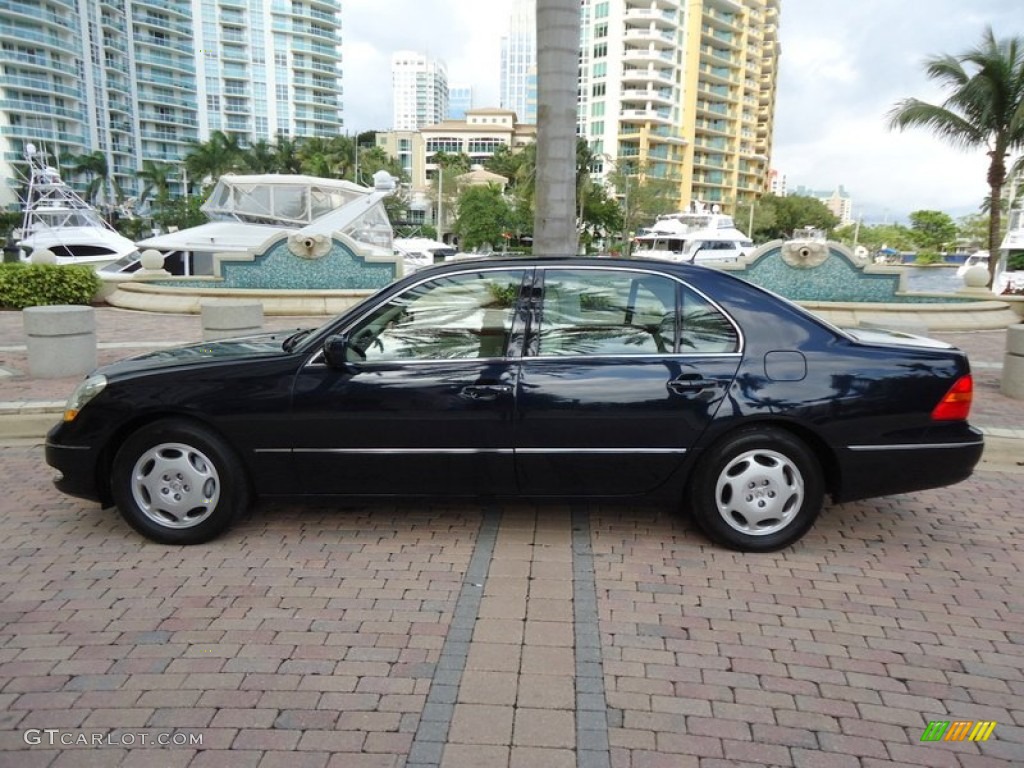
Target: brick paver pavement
515, 635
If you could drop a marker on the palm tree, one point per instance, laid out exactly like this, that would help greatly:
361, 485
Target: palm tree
214, 157
286, 153
93, 166
985, 108
331, 158
260, 157
155, 177
558, 45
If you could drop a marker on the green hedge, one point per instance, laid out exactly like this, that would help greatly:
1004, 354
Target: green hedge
33, 285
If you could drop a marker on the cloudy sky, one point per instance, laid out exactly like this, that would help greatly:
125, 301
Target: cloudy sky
844, 65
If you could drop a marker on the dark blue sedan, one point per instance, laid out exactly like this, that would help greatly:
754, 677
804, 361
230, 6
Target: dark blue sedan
542, 378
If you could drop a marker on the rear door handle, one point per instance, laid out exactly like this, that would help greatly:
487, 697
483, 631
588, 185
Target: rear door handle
485, 391
686, 384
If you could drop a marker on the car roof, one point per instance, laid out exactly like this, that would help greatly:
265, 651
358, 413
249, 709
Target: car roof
570, 261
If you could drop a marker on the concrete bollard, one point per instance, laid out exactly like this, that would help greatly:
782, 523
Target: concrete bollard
61, 340
225, 318
1012, 384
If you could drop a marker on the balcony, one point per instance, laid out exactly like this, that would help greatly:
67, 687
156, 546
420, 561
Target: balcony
654, 38
181, 30
652, 95
183, 9
34, 15
41, 85
644, 117
147, 116
713, 126
722, 20
40, 62
646, 56
25, 34
719, 55
659, 17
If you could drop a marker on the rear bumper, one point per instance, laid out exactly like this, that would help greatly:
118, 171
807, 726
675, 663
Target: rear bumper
880, 470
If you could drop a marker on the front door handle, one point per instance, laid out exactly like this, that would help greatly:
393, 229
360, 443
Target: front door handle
485, 391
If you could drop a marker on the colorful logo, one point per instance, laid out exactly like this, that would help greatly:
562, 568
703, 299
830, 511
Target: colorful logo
958, 730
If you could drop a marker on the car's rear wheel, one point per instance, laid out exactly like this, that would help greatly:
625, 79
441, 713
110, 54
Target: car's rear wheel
757, 490
178, 483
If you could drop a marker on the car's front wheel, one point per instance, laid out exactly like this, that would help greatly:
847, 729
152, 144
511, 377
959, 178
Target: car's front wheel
178, 483
757, 490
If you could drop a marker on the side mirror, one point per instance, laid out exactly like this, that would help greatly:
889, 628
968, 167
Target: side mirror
336, 351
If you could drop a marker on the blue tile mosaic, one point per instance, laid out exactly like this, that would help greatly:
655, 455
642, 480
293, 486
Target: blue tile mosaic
279, 269
836, 279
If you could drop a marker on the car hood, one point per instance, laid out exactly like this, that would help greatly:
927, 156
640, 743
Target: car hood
244, 347
886, 336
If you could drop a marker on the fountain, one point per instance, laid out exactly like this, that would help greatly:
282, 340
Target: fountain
828, 279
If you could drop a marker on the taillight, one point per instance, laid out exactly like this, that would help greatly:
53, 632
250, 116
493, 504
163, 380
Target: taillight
957, 402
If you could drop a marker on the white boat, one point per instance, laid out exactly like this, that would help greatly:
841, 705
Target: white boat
697, 236
1011, 249
246, 210
57, 219
419, 252
1006, 280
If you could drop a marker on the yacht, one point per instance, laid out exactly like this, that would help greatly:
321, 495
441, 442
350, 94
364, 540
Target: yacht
697, 236
1011, 254
57, 219
246, 210
419, 252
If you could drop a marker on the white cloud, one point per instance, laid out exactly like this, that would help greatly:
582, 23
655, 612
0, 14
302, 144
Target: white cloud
848, 65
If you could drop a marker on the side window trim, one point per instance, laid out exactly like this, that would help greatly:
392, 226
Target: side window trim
534, 311
517, 331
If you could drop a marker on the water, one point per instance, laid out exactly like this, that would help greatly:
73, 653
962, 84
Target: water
933, 279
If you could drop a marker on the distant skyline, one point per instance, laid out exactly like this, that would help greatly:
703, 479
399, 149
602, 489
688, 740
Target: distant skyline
843, 68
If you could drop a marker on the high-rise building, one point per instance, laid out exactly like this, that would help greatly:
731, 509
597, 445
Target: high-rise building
460, 101
419, 88
139, 80
519, 62
682, 90
269, 67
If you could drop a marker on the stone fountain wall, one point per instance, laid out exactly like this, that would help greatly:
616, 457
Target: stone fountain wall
818, 271
296, 263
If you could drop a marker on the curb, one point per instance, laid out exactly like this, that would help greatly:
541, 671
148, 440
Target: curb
1004, 448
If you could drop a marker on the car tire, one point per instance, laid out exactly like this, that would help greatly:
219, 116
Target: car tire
757, 490
176, 482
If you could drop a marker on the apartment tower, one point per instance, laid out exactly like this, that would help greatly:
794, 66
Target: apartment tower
419, 89
519, 62
682, 90
141, 79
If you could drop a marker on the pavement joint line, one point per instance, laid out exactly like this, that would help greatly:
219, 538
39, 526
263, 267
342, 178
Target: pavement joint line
432, 733
112, 345
592, 747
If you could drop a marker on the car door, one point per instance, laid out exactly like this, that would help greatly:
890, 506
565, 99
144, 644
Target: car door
424, 403
623, 370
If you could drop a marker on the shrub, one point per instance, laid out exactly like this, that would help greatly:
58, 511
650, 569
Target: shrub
32, 285
927, 257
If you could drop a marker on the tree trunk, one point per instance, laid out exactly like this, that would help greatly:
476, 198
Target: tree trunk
558, 46
996, 180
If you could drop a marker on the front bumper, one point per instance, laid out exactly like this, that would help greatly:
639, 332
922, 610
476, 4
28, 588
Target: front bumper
76, 468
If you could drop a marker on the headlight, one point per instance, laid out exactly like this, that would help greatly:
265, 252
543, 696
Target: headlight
83, 393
